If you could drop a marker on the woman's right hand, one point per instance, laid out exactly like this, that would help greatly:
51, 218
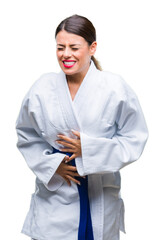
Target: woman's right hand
68, 172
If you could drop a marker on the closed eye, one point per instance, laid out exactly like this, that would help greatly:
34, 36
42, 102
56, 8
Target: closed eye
60, 49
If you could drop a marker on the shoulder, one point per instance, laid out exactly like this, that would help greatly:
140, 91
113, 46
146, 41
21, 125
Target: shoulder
44, 82
116, 84
112, 79
40, 87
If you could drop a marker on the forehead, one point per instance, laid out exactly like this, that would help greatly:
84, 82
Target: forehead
64, 37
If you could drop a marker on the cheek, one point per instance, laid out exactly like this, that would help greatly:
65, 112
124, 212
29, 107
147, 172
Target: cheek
84, 55
58, 55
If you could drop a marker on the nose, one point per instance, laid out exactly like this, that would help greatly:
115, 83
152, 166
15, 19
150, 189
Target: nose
67, 52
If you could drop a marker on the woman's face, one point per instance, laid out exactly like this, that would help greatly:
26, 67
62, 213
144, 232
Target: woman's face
73, 53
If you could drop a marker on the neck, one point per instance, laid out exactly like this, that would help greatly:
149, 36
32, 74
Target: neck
76, 78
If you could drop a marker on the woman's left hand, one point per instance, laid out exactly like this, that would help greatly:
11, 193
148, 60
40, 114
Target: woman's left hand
71, 145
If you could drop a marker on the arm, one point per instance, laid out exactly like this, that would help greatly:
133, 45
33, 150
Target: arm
103, 155
36, 151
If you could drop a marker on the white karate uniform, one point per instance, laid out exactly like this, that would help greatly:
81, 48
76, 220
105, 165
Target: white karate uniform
113, 134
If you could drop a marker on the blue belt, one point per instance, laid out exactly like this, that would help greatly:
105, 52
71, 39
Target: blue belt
85, 224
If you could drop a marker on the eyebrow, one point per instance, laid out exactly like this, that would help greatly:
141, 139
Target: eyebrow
72, 45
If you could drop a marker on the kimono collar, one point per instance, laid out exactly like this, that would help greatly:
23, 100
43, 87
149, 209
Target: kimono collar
71, 108
92, 68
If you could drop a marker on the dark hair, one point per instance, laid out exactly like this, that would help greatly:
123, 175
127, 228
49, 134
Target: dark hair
81, 26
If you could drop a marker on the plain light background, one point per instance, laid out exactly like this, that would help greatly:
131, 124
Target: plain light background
131, 43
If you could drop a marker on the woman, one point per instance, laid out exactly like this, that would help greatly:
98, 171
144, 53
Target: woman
76, 130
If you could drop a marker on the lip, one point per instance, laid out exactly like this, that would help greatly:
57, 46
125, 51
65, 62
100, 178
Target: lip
68, 60
68, 66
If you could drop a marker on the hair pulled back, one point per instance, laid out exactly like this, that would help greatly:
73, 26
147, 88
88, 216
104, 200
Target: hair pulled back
81, 26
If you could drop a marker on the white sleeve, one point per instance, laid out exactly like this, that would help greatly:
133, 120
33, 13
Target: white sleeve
104, 155
36, 151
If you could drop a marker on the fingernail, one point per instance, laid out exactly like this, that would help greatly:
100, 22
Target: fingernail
79, 183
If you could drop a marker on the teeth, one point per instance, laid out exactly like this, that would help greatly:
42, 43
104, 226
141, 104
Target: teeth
69, 63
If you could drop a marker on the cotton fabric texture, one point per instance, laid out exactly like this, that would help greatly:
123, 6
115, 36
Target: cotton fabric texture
113, 134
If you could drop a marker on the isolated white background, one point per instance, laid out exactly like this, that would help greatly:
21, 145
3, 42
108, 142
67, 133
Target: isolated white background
130, 43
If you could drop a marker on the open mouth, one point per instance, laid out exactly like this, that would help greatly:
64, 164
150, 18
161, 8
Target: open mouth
68, 63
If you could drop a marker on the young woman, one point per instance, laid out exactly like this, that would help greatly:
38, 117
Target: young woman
76, 130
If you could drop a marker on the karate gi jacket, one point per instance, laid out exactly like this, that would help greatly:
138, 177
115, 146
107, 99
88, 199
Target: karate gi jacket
113, 134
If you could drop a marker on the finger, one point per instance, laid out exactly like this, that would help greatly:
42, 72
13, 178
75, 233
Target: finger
70, 168
76, 175
65, 144
71, 158
63, 137
66, 150
76, 133
73, 179
66, 158
72, 174
67, 180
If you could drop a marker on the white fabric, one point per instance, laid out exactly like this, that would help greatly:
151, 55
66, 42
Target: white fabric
113, 134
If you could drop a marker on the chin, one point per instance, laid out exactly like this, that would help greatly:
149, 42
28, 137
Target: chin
68, 72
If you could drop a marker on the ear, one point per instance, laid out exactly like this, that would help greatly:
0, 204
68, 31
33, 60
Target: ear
93, 47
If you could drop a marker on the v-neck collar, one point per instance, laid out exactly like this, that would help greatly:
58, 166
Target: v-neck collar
70, 107
83, 83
